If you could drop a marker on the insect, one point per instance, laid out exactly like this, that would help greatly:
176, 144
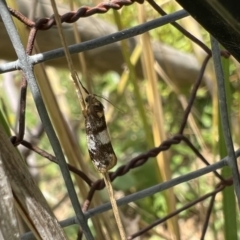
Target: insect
98, 140
99, 144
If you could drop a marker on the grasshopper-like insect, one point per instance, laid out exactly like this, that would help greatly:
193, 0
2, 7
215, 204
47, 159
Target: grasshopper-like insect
98, 140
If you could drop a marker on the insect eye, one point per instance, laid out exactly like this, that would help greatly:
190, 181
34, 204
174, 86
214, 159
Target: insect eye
97, 107
87, 99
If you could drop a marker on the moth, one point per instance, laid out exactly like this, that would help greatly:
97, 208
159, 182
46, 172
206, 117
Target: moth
98, 140
99, 144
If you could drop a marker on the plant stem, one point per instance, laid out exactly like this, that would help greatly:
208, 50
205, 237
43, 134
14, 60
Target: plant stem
114, 205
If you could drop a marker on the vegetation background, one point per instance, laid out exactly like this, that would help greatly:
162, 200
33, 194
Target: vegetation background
143, 112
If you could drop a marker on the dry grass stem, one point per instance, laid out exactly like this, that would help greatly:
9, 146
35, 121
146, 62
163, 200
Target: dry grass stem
114, 205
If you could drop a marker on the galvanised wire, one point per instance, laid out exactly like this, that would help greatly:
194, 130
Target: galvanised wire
28, 72
180, 28
46, 23
146, 192
232, 161
122, 170
99, 42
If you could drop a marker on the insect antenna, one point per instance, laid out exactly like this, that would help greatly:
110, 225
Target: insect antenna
86, 91
120, 110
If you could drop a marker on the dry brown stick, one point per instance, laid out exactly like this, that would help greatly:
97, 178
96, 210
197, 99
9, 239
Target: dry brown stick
28, 196
99, 143
114, 205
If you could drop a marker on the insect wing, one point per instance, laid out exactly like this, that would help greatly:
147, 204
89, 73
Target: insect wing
98, 140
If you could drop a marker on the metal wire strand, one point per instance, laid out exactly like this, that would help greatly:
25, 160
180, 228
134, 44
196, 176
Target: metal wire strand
54, 160
73, 16
99, 42
144, 193
232, 161
164, 219
180, 28
25, 62
27, 71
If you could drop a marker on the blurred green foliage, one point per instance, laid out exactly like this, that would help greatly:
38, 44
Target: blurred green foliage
128, 136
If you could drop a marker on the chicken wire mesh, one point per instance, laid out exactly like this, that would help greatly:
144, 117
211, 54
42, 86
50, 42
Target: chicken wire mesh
26, 62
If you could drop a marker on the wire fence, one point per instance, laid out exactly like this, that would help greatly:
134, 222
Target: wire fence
26, 62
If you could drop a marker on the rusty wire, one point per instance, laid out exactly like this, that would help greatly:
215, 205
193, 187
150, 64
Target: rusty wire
73, 16
200, 199
23, 93
28, 73
98, 42
70, 17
